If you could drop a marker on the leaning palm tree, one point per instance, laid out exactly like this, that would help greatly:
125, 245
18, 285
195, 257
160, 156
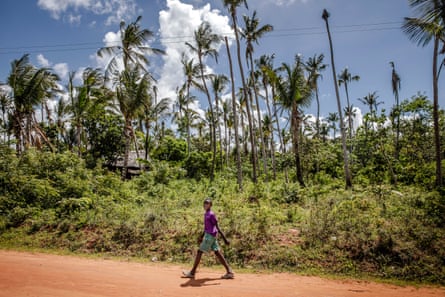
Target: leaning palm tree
429, 25
232, 6
252, 32
345, 78
204, 45
315, 66
348, 178
396, 85
295, 92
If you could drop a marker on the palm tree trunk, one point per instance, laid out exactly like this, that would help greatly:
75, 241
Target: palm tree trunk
212, 115
317, 121
235, 121
348, 178
249, 116
216, 121
349, 117
255, 92
272, 143
187, 118
295, 126
439, 181
127, 135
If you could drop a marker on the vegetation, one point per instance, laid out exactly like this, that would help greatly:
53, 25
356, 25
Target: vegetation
61, 185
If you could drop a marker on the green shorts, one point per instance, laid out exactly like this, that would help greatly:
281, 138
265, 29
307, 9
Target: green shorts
208, 244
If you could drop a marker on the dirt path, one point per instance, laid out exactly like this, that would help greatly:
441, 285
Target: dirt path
26, 274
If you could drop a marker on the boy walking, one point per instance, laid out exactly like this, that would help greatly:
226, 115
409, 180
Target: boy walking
208, 242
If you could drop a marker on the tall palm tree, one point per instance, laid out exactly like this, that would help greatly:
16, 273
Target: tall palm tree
264, 65
235, 119
429, 25
396, 86
332, 120
132, 49
5, 107
132, 92
315, 66
252, 32
371, 100
204, 45
150, 114
218, 83
232, 6
348, 178
345, 78
128, 68
191, 71
295, 92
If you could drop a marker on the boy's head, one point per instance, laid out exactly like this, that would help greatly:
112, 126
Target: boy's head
207, 204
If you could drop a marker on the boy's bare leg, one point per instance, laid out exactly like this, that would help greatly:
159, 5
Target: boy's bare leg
223, 261
197, 260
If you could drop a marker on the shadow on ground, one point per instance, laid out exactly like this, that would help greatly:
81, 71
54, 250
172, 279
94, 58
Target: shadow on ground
202, 282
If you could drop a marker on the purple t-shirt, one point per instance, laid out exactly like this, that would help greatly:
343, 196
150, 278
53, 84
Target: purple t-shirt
210, 223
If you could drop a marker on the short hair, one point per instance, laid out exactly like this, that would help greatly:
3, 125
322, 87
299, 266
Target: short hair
208, 201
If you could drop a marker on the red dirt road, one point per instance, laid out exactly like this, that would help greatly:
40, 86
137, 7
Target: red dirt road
26, 274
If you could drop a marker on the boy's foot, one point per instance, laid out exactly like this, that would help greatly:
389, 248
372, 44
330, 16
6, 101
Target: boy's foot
228, 275
188, 274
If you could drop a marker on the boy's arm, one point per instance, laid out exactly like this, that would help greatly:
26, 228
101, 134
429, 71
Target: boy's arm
222, 234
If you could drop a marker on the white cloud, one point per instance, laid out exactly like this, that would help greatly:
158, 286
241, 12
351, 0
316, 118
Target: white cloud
116, 10
62, 70
177, 25
42, 61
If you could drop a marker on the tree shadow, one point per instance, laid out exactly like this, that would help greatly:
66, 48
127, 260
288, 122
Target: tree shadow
202, 282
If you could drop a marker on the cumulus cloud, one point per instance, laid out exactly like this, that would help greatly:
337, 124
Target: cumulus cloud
61, 69
42, 61
116, 10
177, 25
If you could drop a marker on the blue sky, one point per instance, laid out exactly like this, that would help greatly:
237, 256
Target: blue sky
65, 34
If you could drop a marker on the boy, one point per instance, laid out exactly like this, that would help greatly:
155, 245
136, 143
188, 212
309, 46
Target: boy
209, 243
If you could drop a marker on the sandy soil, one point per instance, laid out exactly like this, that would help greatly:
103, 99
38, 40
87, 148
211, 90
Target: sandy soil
28, 274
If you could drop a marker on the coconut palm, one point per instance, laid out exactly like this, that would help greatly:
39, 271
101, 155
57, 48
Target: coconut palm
265, 64
345, 78
30, 86
204, 45
252, 32
315, 66
5, 107
348, 178
132, 92
232, 6
295, 92
191, 71
371, 100
332, 120
218, 84
235, 119
132, 49
429, 25
396, 85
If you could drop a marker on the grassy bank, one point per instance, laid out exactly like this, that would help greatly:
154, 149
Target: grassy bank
51, 201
